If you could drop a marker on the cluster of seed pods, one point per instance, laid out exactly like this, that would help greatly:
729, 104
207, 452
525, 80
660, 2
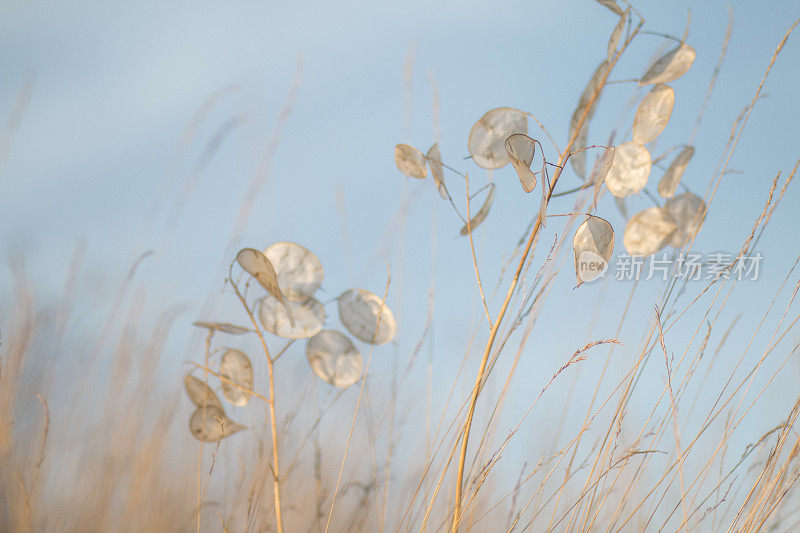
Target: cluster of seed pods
291, 275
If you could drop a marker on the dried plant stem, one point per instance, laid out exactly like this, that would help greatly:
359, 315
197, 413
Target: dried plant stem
536, 120
714, 76
276, 482
358, 403
474, 259
275, 466
674, 413
577, 357
231, 382
488, 349
479, 379
200, 451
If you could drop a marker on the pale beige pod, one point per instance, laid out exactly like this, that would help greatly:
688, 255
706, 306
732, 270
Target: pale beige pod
672, 177
255, 263
689, 212
587, 104
591, 92
486, 142
210, 424
629, 171
334, 358
223, 327
200, 393
237, 370
616, 35
648, 231
521, 149
481, 214
434, 158
577, 156
366, 316
670, 66
653, 114
593, 241
410, 161
309, 317
299, 271
600, 173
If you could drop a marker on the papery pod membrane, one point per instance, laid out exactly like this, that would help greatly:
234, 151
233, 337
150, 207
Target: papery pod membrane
672, 177
236, 367
200, 393
211, 424
591, 93
486, 143
653, 114
334, 358
366, 316
629, 171
521, 149
434, 158
592, 246
482, 213
616, 35
689, 212
309, 317
260, 267
578, 153
299, 271
257, 265
600, 172
671, 66
410, 161
586, 105
223, 327
612, 5
648, 231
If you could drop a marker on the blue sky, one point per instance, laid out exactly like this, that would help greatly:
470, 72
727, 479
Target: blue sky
114, 87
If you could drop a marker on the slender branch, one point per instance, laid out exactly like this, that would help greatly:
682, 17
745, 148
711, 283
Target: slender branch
476, 193
487, 351
360, 394
450, 198
664, 35
545, 132
275, 468
283, 350
563, 157
657, 160
474, 258
230, 382
587, 185
207, 353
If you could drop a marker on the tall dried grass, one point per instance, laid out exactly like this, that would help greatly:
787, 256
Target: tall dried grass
110, 451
